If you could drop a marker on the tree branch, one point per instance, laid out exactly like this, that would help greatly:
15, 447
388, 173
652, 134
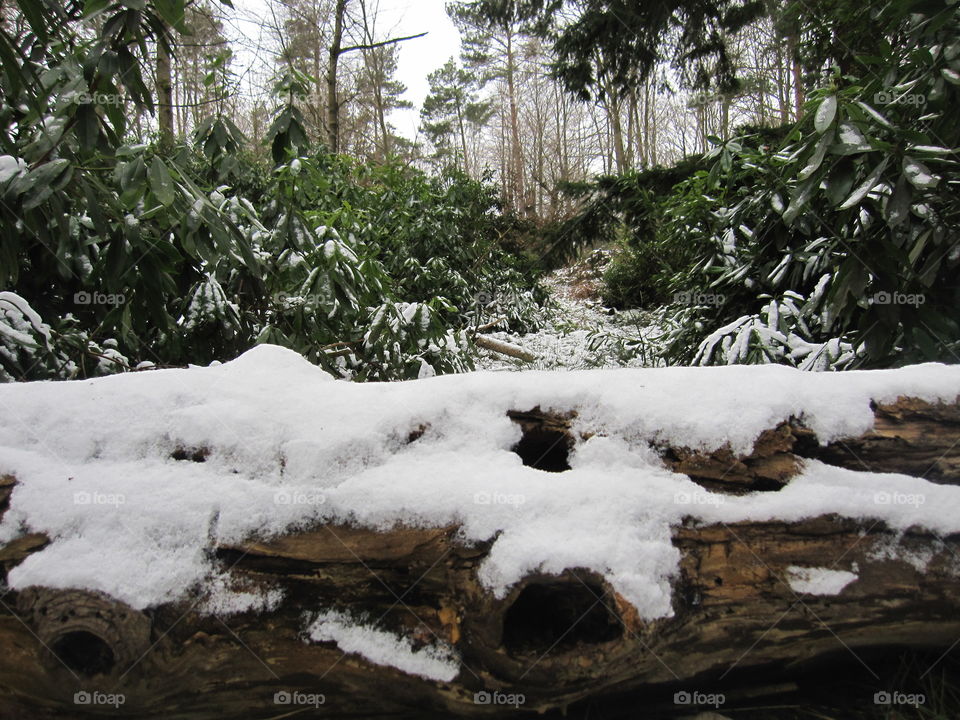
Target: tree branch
373, 46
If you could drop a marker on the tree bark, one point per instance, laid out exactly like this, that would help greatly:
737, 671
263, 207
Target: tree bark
798, 94
333, 101
612, 104
516, 153
463, 136
164, 95
557, 640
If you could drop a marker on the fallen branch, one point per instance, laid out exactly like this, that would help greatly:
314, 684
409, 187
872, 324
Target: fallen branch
504, 348
489, 326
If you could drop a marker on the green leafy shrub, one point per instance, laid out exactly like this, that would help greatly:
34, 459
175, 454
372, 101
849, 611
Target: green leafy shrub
862, 191
119, 253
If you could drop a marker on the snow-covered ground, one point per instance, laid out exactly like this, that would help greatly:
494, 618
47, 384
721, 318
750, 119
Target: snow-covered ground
580, 333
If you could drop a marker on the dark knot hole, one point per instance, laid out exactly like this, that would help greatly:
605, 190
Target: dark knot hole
559, 615
84, 653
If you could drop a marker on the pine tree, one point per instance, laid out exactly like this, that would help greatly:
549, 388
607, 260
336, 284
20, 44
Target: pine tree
615, 43
378, 94
451, 110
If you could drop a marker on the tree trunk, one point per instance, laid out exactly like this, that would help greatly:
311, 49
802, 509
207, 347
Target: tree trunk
164, 96
798, 95
650, 127
333, 101
516, 153
555, 640
612, 105
463, 138
314, 104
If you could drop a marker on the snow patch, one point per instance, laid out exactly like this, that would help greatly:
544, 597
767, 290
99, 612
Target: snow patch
433, 662
225, 598
818, 580
11, 167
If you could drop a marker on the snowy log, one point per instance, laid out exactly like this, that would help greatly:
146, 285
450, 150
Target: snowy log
908, 436
537, 542
554, 640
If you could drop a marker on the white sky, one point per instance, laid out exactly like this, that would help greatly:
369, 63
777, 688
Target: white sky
396, 18
420, 57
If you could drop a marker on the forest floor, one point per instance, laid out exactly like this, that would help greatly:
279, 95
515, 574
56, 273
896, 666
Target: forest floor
578, 331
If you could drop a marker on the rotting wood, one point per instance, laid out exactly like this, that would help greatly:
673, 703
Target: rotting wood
909, 436
732, 588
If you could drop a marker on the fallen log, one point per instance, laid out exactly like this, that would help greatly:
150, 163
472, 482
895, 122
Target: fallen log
909, 436
761, 592
553, 641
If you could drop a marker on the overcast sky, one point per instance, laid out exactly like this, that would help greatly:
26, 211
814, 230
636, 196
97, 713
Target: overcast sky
397, 18
420, 57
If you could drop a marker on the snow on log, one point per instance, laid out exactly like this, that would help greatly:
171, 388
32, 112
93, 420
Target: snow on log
254, 538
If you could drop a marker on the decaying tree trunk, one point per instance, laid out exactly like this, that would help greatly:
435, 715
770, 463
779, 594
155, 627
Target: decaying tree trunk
554, 640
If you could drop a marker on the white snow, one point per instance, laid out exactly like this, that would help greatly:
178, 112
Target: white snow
578, 335
290, 447
850, 135
818, 580
433, 662
223, 598
10, 167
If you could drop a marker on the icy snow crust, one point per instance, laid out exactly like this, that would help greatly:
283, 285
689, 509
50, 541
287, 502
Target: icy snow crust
291, 447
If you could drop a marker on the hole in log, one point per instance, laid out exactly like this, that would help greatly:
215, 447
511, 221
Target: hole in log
192, 454
559, 615
546, 441
84, 652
